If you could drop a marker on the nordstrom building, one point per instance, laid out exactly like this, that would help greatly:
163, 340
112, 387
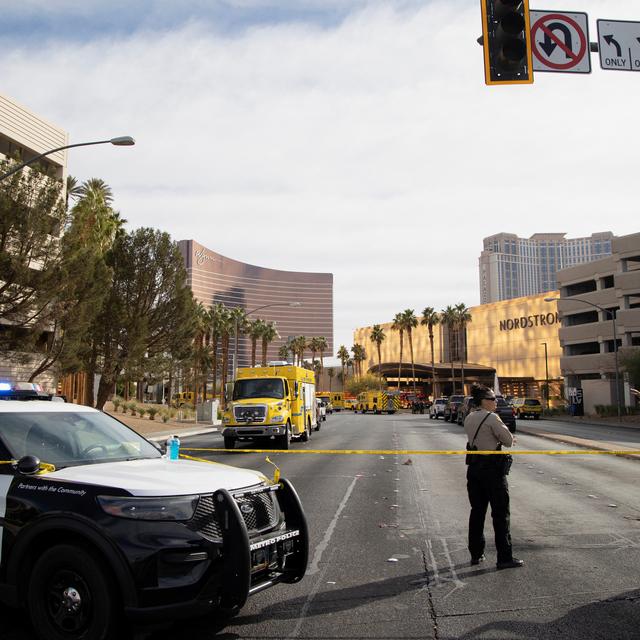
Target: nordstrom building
516, 340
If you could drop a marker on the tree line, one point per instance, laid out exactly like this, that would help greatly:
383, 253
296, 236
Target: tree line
454, 318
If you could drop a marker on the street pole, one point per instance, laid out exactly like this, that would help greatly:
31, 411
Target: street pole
546, 370
120, 141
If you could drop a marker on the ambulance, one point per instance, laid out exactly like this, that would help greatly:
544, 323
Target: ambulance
378, 402
276, 402
336, 398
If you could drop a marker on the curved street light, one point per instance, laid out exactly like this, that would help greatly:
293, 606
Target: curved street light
119, 141
247, 313
612, 315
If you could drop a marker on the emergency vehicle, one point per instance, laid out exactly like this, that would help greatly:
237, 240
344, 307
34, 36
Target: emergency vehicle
336, 398
378, 402
97, 525
276, 402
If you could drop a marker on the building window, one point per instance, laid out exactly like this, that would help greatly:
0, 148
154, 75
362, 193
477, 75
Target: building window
606, 282
608, 345
580, 288
584, 349
580, 318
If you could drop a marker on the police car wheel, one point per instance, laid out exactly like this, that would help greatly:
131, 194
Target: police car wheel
70, 596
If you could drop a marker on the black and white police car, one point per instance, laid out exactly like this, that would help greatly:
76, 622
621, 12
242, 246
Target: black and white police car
97, 526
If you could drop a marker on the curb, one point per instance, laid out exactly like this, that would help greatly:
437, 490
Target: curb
579, 442
161, 436
595, 424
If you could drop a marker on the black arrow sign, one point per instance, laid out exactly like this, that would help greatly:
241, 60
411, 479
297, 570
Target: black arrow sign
549, 46
610, 40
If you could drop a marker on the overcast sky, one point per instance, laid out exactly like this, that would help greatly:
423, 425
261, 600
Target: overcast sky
355, 137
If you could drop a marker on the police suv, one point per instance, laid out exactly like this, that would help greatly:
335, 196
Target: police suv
95, 523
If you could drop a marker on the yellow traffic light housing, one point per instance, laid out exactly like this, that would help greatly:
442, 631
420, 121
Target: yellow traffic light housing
506, 31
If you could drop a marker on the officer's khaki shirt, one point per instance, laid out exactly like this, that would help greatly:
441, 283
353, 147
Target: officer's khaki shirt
492, 432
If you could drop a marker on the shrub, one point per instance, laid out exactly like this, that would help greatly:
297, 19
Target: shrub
116, 403
132, 406
368, 382
152, 412
142, 411
164, 414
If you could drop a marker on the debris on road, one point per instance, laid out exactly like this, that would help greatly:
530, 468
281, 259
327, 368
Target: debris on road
408, 461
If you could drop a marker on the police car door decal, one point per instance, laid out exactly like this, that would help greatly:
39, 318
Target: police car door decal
5, 483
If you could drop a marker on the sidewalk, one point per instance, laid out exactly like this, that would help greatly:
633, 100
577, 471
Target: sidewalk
159, 431
595, 445
632, 422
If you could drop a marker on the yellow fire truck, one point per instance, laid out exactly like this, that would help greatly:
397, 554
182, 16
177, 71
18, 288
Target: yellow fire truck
276, 402
378, 402
336, 398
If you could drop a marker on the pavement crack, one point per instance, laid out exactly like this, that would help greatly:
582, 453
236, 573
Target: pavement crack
432, 607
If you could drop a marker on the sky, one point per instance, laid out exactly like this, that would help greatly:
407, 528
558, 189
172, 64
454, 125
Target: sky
355, 137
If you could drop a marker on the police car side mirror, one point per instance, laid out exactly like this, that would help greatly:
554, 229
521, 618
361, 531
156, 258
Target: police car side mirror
28, 465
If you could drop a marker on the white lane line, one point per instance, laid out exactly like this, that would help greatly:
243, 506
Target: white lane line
452, 569
314, 568
433, 563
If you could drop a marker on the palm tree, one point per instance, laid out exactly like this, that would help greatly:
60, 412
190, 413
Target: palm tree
269, 334
343, 356
448, 317
464, 318
331, 373
200, 340
377, 336
283, 352
226, 326
410, 323
398, 325
430, 318
255, 330
239, 324
73, 189
313, 346
216, 314
323, 345
302, 345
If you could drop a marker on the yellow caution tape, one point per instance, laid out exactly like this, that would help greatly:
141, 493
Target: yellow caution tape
426, 452
276, 473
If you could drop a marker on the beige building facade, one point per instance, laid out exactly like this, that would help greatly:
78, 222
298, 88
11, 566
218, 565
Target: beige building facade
591, 295
24, 135
505, 338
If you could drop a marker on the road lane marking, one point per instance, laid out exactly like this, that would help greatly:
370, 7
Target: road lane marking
313, 568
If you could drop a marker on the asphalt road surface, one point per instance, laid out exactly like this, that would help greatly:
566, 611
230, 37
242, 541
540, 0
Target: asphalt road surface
388, 556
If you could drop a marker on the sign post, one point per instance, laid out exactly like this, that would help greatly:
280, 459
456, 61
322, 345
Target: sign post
619, 44
560, 41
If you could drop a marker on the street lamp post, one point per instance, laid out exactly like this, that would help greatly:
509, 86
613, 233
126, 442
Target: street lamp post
120, 141
248, 313
612, 315
546, 370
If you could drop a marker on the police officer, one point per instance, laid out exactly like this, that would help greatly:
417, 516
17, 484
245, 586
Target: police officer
486, 478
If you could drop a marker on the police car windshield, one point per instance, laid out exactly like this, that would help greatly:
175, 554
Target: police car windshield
258, 388
72, 438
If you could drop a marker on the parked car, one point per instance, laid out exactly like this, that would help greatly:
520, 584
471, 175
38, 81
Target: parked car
321, 413
527, 408
464, 409
436, 410
451, 408
506, 412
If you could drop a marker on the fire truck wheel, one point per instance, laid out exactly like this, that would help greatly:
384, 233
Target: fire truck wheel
229, 442
283, 442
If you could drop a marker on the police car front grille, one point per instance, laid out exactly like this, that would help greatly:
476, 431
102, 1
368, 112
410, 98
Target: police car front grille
204, 519
259, 510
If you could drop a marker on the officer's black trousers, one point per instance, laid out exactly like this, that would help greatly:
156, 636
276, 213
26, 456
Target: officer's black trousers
487, 486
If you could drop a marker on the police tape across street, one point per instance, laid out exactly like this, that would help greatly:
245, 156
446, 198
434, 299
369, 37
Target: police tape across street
425, 452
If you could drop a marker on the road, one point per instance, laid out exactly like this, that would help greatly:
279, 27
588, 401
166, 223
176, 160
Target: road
388, 543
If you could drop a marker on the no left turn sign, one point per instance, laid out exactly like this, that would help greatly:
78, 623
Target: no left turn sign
560, 41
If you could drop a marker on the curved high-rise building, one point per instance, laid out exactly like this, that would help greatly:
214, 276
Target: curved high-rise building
216, 278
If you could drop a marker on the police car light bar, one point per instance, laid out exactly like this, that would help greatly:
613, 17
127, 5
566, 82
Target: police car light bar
5, 386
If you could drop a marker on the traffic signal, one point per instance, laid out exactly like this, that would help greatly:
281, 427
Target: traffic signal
506, 32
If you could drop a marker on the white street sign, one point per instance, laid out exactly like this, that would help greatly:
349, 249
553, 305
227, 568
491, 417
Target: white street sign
619, 43
560, 41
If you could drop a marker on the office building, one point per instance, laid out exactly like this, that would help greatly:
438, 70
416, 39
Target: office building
590, 295
216, 278
511, 267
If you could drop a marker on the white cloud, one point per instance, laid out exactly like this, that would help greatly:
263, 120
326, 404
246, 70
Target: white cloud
372, 149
